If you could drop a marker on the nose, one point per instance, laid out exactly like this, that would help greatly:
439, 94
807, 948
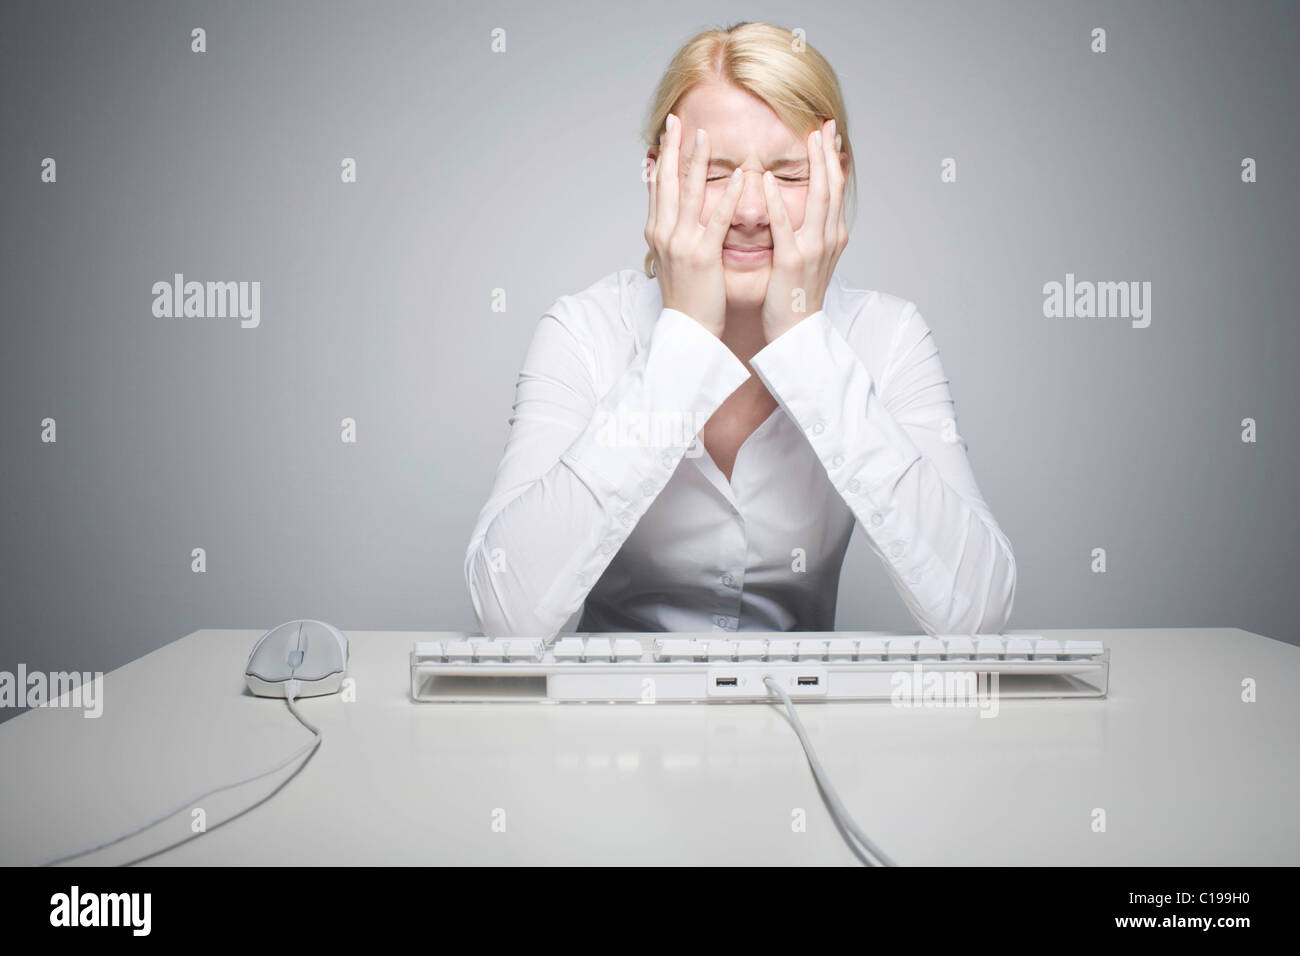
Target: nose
751, 209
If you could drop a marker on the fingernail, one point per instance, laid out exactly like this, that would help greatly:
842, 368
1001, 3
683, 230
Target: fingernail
668, 124
699, 137
837, 142
817, 139
736, 174
767, 176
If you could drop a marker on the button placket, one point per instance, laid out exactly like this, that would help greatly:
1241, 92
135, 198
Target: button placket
730, 577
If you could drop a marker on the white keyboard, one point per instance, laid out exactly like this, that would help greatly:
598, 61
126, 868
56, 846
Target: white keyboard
835, 665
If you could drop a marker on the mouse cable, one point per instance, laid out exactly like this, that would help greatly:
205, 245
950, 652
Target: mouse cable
832, 798
291, 688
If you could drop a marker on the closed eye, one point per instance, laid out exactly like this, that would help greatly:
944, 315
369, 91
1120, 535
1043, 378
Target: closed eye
788, 179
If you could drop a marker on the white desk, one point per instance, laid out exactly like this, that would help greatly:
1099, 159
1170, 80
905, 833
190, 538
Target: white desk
1186, 772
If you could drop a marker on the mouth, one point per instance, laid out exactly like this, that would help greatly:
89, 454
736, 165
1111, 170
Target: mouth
738, 253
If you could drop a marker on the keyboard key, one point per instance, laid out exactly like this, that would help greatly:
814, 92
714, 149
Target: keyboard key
1084, 648
988, 648
599, 650
782, 649
518, 649
872, 648
568, 649
627, 649
1046, 650
960, 648
812, 649
720, 650
750, 649
487, 650
674, 649
929, 649
1019, 648
901, 649
841, 649
460, 651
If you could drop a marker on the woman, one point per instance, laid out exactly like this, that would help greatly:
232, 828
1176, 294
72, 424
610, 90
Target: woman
822, 405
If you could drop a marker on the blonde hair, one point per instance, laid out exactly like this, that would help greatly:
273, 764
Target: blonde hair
769, 62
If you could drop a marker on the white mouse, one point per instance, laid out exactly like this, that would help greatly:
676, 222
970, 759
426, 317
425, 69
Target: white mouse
311, 653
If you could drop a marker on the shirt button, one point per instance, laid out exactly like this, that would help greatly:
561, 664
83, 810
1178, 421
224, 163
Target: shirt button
648, 487
627, 519
667, 460
837, 460
897, 549
854, 486
818, 428
604, 548
728, 580
877, 519
916, 577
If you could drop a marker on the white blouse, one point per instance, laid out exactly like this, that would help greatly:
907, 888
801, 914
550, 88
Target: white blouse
606, 495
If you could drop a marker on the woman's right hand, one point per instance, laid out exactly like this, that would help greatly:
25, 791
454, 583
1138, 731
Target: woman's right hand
688, 255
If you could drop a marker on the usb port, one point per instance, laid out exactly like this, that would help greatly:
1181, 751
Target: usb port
808, 681
726, 682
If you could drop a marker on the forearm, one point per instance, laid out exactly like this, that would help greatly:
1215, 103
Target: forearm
541, 544
919, 506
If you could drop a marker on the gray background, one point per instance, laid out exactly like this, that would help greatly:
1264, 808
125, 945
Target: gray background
521, 171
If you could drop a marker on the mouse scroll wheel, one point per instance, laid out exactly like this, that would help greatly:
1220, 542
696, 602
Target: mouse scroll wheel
295, 658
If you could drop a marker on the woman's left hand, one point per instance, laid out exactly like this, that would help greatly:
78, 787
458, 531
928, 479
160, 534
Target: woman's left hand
803, 261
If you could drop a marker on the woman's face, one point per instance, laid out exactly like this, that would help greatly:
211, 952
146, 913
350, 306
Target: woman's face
744, 131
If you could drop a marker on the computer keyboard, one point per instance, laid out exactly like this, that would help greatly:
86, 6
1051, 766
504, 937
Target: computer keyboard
837, 665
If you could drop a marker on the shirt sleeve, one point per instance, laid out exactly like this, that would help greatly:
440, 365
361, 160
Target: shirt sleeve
899, 464
580, 469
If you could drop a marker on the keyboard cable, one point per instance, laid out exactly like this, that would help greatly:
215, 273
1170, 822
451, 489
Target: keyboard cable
291, 689
837, 808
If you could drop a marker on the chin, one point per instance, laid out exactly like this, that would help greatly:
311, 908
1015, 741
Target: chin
746, 287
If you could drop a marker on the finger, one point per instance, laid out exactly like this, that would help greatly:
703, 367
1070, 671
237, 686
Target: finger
778, 219
835, 180
723, 213
652, 184
692, 200
667, 214
814, 216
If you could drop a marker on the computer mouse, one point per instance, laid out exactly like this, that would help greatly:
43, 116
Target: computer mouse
312, 653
